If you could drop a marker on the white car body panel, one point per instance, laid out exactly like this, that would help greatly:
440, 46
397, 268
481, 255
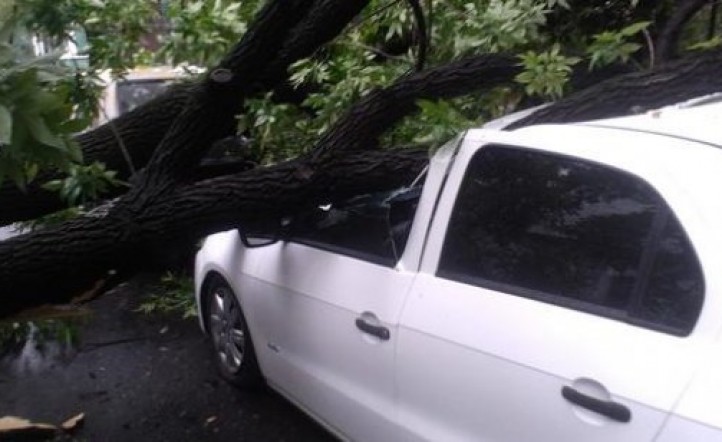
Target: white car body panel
468, 363
310, 344
502, 342
702, 402
679, 429
522, 351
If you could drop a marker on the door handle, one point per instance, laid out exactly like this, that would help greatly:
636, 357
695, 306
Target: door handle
612, 410
374, 330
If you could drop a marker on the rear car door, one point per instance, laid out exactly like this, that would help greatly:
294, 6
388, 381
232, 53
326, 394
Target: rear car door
559, 305
331, 297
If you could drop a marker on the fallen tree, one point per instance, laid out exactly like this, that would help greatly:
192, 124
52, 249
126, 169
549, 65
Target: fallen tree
166, 204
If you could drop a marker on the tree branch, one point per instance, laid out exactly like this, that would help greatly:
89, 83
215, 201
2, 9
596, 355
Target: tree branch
381, 109
55, 264
636, 92
143, 128
668, 38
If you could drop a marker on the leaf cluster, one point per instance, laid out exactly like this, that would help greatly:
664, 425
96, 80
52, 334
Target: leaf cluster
201, 32
84, 183
36, 117
546, 73
611, 46
174, 294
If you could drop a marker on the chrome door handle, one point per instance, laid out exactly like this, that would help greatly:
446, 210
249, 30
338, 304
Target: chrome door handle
612, 410
373, 330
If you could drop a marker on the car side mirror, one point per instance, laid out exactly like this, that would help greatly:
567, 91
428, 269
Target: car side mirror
254, 241
266, 237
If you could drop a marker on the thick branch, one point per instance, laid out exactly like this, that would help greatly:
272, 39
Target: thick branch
324, 22
668, 38
56, 264
381, 109
635, 93
265, 37
210, 114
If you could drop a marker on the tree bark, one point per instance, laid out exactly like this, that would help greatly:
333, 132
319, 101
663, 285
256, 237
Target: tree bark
56, 264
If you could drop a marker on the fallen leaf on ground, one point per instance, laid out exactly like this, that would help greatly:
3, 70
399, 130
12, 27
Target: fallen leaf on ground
73, 423
16, 426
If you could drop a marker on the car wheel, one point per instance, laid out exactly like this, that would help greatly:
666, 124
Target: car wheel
233, 349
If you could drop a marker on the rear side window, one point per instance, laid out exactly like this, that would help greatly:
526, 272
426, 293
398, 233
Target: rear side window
572, 233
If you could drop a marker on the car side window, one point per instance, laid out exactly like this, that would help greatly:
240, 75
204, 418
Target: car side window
371, 227
572, 233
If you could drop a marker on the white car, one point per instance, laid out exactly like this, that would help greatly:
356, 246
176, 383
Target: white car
553, 283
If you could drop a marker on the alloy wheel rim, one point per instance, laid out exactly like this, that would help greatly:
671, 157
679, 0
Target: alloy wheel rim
226, 326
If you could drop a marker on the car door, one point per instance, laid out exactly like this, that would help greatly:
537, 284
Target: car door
331, 297
558, 306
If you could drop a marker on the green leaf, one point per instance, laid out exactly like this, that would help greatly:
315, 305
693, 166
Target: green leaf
73, 126
634, 28
707, 44
53, 186
42, 133
31, 171
6, 125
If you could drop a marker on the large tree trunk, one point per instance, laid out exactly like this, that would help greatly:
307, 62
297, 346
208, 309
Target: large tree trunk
166, 206
56, 264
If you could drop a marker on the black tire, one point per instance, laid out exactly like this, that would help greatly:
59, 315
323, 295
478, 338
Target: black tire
233, 350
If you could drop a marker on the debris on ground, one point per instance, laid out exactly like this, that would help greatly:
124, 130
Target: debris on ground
17, 428
73, 423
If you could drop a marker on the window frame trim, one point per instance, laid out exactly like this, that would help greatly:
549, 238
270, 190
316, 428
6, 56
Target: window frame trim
597, 310
344, 251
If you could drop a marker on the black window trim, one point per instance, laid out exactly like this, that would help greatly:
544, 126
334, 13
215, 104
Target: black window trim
561, 301
649, 253
345, 251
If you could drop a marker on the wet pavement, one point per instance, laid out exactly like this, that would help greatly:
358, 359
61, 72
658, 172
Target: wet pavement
141, 378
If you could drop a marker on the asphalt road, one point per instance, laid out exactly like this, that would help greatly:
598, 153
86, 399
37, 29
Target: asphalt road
142, 378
